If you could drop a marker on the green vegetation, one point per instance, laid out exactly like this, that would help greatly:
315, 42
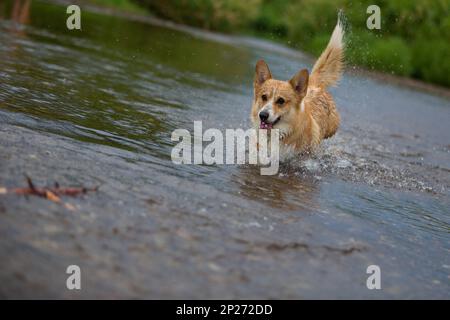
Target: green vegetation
222, 15
125, 5
414, 39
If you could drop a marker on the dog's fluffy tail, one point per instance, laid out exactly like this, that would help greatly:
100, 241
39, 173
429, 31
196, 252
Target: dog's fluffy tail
328, 68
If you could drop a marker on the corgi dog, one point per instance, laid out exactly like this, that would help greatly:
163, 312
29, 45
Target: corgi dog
301, 108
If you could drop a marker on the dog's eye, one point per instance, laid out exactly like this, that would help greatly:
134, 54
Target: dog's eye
264, 97
280, 101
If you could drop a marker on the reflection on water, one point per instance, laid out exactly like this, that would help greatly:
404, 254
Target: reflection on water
285, 191
115, 85
115, 92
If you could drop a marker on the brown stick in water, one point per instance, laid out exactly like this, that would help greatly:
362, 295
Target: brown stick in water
52, 194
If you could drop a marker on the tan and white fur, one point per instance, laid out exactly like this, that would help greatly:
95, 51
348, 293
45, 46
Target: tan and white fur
301, 108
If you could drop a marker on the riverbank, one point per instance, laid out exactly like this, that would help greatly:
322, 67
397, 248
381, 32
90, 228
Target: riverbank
130, 10
400, 46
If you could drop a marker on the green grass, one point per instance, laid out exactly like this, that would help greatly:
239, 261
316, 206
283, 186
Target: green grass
414, 39
125, 5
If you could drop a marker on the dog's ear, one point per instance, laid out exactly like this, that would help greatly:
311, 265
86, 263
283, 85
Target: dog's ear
300, 82
262, 73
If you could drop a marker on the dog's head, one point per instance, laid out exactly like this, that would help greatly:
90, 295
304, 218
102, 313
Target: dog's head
276, 104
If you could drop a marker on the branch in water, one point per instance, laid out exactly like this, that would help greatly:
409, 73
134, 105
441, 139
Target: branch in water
52, 194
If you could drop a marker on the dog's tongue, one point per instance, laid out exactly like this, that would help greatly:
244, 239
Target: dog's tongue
265, 125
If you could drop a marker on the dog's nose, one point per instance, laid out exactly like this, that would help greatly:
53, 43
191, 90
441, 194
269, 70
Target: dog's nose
264, 115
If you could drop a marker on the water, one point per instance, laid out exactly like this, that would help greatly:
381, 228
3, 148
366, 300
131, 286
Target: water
98, 107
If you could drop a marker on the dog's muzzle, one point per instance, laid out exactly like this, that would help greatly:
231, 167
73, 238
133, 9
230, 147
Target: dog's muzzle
265, 124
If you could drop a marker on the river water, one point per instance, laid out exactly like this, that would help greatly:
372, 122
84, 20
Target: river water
98, 106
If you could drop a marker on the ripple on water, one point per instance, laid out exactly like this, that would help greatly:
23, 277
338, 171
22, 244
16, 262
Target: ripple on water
353, 161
